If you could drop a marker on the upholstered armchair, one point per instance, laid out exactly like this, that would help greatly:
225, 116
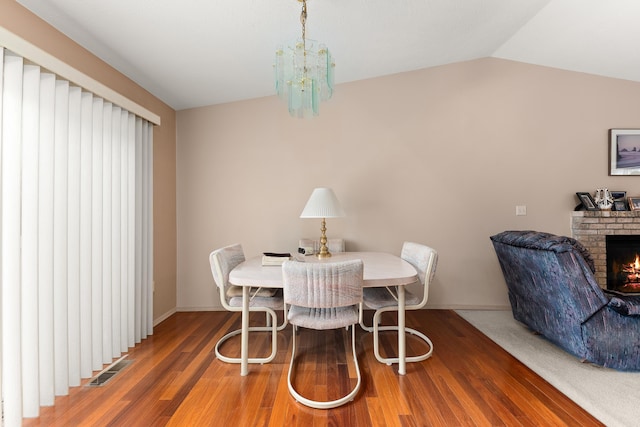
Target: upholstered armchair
553, 291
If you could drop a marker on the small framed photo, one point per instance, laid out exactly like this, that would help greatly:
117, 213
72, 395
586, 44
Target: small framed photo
587, 201
624, 151
619, 195
634, 203
619, 205
619, 200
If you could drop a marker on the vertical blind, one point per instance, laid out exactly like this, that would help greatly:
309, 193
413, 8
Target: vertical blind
76, 252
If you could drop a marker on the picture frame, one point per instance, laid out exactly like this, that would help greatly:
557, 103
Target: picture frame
619, 195
619, 200
634, 203
619, 205
587, 201
624, 152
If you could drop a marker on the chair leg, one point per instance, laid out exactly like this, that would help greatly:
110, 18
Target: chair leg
272, 326
376, 329
361, 321
325, 404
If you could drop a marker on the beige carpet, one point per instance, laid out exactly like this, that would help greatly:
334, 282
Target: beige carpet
611, 396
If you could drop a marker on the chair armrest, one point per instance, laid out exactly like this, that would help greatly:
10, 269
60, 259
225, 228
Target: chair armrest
627, 305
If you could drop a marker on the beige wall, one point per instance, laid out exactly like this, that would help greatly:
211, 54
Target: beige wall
23, 23
440, 156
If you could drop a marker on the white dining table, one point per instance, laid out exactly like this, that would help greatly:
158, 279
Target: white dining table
380, 269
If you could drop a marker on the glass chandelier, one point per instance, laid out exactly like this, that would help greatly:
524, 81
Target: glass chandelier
304, 73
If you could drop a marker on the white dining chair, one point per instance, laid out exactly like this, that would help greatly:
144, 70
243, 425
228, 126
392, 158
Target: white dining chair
265, 300
323, 296
383, 299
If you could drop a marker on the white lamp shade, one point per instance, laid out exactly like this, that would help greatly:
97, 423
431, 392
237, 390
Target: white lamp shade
323, 203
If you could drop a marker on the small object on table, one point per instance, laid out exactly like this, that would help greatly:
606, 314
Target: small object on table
306, 250
275, 258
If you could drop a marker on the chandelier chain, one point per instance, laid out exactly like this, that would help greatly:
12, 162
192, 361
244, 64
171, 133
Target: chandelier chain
303, 21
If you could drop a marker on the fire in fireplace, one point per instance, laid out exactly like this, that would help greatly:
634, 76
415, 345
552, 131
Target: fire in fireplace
623, 263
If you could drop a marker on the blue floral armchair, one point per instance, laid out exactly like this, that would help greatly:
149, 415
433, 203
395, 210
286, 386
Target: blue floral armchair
553, 291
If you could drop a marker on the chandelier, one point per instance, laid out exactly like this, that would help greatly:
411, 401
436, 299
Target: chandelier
304, 73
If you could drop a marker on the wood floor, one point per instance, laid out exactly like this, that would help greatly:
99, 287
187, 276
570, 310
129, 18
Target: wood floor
175, 380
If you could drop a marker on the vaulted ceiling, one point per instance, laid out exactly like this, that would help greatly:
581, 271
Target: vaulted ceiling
191, 53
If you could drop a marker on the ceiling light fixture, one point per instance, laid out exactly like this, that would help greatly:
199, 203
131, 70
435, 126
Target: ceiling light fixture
304, 73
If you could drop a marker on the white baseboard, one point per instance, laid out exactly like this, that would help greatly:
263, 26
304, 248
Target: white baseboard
207, 308
165, 316
468, 307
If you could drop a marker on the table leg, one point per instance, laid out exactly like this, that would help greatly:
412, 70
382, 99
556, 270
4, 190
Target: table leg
402, 344
244, 341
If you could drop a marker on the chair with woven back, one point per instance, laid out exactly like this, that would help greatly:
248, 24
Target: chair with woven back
323, 296
269, 301
385, 299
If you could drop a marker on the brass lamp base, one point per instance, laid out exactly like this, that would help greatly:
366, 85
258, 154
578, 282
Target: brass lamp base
324, 251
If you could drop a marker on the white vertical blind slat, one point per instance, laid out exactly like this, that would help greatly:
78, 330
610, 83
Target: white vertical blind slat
116, 205
149, 226
86, 160
60, 239
1, 97
45, 237
73, 229
76, 264
107, 325
97, 260
138, 232
124, 231
145, 233
131, 191
11, 302
29, 225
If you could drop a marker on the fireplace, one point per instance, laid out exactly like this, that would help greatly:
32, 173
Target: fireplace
591, 228
623, 263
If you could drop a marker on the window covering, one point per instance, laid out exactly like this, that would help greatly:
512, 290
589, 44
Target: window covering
76, 236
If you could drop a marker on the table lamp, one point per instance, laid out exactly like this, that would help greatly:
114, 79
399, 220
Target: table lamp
323, 203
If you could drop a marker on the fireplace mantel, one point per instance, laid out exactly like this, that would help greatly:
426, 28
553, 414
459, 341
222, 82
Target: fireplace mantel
591, 227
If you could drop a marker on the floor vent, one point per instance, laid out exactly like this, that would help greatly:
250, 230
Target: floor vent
111, 371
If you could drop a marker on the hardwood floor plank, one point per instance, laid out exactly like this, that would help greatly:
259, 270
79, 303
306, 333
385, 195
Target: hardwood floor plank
175, 380
375, 413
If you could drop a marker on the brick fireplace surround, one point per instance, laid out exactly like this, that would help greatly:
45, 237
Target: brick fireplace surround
591, 227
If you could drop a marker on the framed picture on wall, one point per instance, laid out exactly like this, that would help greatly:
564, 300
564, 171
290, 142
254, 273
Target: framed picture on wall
587, 201
624, 151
